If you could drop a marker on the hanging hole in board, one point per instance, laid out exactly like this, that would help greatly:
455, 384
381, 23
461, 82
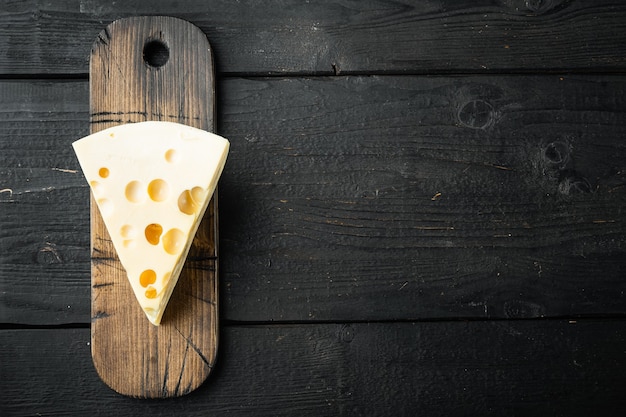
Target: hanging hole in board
156, 53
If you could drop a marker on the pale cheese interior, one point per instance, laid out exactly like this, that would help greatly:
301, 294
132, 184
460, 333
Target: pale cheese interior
152, 182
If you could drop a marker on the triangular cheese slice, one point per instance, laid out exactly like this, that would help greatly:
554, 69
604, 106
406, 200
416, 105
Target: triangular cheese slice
152, 182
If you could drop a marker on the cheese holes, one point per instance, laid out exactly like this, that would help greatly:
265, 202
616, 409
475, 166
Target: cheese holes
189, 201
158, 190
153, 233
134, 192
197, 193
147, 277
172, 156
106, 207
166, 278
129, 243
128, 233
96, 187
103, 172
173, 241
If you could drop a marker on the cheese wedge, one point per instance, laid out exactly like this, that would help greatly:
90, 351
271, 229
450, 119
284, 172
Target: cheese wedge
152, 182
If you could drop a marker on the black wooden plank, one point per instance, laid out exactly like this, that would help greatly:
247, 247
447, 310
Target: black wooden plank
532, 367
44, 235
358, 198
396, 197
329, 37
331, 206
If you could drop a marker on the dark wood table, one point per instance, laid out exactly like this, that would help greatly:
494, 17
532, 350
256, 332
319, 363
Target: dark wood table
423, 211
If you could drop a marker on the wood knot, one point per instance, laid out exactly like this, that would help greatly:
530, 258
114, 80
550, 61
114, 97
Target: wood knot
558, 164
476, 114
535, 5
48, 255
557, 154
540, 6
573, 183
346, 333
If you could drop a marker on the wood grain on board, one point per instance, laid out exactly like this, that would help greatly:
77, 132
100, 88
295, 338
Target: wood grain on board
333, 37
153, 68
487, 368
421, 214
473, 197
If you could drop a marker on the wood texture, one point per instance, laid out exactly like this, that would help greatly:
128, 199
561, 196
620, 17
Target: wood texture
130, 82
44, 251
524, 367
421, 214
396, 197
331, 36
329, 199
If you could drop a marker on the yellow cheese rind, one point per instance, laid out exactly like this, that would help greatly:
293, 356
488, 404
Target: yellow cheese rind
152, 182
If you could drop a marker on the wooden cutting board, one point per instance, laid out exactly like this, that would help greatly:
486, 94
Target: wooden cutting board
153, 68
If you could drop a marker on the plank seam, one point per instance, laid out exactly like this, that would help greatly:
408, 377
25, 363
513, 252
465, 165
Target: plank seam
271, 323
